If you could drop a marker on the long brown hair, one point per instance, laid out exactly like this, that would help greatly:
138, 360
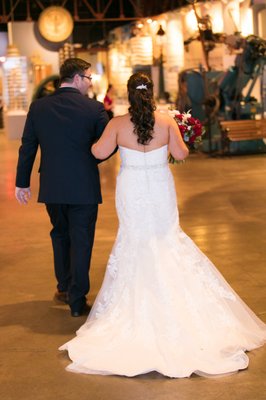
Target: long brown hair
142, 106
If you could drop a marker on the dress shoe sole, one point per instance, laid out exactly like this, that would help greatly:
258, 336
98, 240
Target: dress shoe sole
76, 314
84, 311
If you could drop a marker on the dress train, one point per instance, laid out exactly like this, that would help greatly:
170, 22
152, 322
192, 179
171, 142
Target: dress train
163, 305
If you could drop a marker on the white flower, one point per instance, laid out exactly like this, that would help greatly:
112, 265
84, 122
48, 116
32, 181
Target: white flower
186, 116
173, 113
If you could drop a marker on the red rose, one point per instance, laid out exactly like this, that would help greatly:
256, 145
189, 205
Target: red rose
192, 139
182, 129
191, 121
197, 130
179, 117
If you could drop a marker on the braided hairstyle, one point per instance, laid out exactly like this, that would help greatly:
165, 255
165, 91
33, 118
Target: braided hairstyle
142, 106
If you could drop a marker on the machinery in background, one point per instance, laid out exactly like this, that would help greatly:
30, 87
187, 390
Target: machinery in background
224, 95
218, 95
249, 66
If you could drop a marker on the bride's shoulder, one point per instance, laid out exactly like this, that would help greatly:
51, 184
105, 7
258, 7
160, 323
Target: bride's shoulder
121, 119
162, 117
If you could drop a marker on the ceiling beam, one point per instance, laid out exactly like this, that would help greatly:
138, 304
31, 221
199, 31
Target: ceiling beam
86, 10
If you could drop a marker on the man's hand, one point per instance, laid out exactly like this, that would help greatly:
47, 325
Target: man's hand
22, 195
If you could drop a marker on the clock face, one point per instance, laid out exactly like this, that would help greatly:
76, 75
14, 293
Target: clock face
55, 24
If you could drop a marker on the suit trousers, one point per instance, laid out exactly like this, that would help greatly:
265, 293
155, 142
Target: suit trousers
72, 239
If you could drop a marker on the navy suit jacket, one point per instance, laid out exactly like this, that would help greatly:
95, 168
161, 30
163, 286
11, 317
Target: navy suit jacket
64, 125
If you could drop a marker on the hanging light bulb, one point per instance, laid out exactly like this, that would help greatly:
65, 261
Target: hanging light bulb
12, 50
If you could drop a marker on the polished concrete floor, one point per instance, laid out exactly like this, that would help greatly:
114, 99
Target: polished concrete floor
222, 204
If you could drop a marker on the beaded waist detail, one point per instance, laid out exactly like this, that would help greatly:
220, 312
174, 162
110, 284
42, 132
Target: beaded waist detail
144, 167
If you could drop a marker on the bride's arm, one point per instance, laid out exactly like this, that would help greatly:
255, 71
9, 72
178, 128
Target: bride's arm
177, 147
107, 143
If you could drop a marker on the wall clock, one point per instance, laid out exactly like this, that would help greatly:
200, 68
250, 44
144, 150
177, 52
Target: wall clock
55, 24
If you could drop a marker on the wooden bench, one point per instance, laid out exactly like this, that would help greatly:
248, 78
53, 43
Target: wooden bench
239, 130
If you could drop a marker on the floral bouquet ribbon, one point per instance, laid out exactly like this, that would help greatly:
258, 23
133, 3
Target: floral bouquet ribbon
191, 129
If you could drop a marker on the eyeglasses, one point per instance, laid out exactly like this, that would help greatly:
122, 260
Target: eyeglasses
85, 76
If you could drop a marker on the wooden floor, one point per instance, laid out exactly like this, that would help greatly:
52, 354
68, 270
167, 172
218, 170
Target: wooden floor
222, 204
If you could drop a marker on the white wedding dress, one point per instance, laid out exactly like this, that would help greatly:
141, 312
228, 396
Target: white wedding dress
163, 305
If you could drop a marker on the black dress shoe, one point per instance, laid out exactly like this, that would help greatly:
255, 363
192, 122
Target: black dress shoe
84, 310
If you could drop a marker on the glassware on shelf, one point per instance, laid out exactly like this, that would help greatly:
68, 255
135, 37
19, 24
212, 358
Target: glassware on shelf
15, 79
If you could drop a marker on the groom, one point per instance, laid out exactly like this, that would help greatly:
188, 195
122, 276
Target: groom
65, 125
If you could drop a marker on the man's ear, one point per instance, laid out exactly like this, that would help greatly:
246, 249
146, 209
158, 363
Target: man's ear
76, 79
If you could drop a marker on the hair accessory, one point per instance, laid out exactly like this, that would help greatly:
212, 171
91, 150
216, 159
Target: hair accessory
142, 87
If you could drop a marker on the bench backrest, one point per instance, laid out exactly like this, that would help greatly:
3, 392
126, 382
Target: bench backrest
245, 129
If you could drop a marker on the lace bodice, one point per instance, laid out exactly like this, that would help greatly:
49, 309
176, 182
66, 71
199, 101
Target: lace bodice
144, 188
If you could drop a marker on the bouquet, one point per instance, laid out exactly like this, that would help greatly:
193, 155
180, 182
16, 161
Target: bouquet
191, 129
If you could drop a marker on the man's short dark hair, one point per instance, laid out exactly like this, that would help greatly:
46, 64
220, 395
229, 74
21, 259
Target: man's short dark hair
71, 67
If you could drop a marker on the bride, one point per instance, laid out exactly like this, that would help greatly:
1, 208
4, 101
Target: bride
163, 306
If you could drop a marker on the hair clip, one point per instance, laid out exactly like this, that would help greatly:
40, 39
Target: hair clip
142, 87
